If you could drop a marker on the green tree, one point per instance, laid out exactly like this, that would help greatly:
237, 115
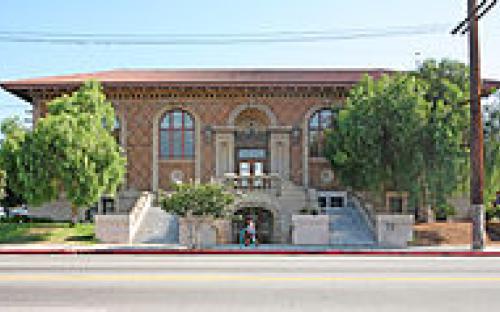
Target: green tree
14, 134
409, 134
492, 160
445, 136
197, 199
375, 143
71, 151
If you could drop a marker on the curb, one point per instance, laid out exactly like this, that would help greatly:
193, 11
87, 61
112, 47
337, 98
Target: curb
144, 251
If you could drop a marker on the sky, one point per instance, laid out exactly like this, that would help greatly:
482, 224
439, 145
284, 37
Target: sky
24, 60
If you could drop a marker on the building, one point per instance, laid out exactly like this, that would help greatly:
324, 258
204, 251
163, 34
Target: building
259, 131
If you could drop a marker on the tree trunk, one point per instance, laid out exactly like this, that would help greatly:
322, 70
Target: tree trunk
74, 214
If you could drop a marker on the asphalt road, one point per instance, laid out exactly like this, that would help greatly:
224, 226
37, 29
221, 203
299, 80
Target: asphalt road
247, 283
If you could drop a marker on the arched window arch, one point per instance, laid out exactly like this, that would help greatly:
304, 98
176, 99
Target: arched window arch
177, 135
318, 123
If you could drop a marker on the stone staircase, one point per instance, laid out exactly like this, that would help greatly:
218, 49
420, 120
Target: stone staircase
157, 227
349, 228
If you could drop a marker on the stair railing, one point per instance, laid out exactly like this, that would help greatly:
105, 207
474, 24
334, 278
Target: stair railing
366, 210
138, 212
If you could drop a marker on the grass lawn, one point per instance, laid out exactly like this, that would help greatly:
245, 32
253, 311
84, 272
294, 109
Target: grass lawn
46, 233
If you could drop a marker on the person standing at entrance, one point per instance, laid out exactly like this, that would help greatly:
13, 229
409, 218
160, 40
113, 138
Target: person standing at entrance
250, 233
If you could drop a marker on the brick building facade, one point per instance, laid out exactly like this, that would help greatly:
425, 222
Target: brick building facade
221, 102
215, 125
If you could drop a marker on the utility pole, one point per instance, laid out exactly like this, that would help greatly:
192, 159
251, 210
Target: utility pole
476, 135
471, 25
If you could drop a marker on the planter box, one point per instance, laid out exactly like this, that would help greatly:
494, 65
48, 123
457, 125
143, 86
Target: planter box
112, 228
202, 231
310, 230
394, 231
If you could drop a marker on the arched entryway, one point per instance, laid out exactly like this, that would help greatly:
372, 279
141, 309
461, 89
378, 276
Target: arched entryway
264, 223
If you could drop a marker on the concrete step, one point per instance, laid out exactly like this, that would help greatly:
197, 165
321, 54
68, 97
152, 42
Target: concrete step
351, 237
347, 227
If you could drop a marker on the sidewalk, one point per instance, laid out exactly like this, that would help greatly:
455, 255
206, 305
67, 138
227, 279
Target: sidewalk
431, 251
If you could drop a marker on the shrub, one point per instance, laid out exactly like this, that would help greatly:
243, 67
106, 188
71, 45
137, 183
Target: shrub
444, 211
196, 199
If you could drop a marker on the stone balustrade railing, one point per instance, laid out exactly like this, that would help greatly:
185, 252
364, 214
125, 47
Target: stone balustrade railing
138, 211
270, 183
366, 209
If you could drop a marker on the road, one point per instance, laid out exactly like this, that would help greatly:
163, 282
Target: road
247, 283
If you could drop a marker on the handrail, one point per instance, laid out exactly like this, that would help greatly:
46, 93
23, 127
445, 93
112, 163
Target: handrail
137, 213
366, 211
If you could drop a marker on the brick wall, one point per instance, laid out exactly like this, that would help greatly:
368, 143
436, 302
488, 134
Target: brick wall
139, 109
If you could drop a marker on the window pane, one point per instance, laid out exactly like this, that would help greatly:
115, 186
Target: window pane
177, 143
164, 144
177, 117
396, 204
245, 169
252, 153
188, 144
322, 201
314, 121
117, 123
326, 119
165, 123
188, 121
258, 169
337, 201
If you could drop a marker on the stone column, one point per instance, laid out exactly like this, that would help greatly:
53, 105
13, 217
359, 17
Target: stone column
224, 153
279, 145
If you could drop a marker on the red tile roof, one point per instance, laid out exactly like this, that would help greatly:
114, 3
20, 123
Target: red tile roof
173, 77
205, 76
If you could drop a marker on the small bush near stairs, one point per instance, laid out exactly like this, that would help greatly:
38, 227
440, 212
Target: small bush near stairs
197, 200
196, 204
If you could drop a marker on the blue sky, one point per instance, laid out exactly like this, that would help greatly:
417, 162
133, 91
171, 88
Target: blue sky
22, 60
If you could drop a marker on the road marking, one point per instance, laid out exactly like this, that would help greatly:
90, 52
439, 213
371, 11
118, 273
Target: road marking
236, 278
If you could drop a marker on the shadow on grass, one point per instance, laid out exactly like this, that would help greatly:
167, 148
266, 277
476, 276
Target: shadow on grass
14, 233
80, 238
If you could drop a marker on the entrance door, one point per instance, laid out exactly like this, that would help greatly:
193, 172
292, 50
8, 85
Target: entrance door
263, 219
251, 163
251, 172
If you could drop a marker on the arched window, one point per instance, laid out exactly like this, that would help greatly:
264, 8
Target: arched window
177, 135
318, 123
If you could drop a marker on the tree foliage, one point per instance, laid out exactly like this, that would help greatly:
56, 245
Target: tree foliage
407, 132
70, 150
446, 134
374, 145
3, 183
197, 199
492, 159
14, 134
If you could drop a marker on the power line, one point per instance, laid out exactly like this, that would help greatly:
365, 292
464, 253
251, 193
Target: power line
212, 35
467, 19
215, 39
463, 27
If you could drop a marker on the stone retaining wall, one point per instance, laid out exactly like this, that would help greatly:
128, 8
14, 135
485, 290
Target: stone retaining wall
204, 231
112, 228
310, 230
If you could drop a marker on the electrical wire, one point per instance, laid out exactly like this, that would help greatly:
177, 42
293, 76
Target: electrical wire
215, 39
